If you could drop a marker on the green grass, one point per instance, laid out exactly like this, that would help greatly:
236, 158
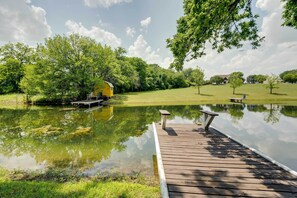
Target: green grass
85, 187
77, 189
211, 94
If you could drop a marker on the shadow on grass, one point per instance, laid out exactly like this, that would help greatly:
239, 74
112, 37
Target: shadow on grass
240, 94
279, 94
204, 94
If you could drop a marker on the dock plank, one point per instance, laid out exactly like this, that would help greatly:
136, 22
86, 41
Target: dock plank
199, 163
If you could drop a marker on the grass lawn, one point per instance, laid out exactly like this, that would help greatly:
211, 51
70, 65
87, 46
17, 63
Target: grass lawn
83, 188
77, 189
211, 94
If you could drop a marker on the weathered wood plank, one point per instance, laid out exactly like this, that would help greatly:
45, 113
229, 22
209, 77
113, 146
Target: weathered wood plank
228, 192
234, 185
209, 164
226, 173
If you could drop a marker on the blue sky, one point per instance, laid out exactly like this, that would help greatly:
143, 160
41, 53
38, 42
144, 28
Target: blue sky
142, 26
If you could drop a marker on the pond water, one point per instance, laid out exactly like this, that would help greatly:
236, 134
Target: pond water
121, 138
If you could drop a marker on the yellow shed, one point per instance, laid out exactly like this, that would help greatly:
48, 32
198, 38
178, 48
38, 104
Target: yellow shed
106, 90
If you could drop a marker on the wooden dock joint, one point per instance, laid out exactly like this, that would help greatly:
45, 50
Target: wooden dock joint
207, 118
164, 115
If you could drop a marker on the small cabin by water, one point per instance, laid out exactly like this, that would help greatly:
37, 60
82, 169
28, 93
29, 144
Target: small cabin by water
106, 91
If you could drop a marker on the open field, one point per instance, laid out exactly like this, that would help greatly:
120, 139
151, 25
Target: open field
211, 94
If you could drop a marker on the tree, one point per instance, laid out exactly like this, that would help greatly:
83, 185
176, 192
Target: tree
252, 79
198, 76
290, 78
236, 80
282, 75
260, 78
271, 82
13, 60
216, 80
223, 24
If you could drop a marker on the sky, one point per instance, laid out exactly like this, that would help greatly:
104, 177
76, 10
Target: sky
142, 27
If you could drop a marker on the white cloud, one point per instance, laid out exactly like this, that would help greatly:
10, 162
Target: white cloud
96, 33
20, 21
141, 49
268, 5
130, 31
146, 22
104, 3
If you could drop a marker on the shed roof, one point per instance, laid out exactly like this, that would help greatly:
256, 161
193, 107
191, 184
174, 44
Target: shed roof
109, 84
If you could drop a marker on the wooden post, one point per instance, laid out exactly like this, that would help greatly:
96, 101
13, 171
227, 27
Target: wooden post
164, 118
164, 115
207, 119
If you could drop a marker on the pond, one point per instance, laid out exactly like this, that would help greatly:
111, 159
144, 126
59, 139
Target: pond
121, 138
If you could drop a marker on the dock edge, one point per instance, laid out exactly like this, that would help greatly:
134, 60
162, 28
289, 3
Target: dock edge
259, 153
163, 184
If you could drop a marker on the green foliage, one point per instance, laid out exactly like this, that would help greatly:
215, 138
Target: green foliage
260, 78
272, 82
222, 24
13, 60
236, 80
290, 78
282, 75
198, 77
216, 80
65, 68
290, 13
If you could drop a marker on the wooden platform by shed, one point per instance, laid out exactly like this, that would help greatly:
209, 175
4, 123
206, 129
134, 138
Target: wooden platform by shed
199, 163
87, 102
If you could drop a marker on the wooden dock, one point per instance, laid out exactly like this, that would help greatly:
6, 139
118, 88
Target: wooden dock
196, 163
87, 102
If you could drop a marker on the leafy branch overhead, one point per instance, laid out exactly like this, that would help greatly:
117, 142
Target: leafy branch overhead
223, 24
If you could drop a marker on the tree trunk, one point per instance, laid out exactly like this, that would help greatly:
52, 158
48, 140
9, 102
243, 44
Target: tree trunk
233, 90
198, 90
270, 90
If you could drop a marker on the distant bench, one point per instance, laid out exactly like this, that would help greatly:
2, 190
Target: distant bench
164, 115
239, 100
207, 118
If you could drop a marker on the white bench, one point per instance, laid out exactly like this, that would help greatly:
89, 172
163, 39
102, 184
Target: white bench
164, 115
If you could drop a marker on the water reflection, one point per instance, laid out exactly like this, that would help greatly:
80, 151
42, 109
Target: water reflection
120, 138
89, 140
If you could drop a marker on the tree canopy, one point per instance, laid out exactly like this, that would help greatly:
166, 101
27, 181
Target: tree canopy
236, 80
198, 76
223, 24
65, 68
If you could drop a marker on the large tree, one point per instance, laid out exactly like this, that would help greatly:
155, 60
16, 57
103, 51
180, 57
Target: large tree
13, 60
223, 24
